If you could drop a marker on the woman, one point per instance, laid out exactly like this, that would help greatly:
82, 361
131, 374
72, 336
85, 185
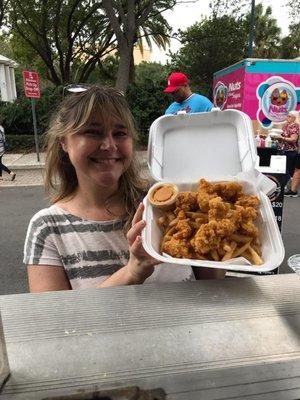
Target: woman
293, 191
2, 151
91, 234
288, 142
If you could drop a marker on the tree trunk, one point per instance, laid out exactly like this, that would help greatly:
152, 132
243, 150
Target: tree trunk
124, 68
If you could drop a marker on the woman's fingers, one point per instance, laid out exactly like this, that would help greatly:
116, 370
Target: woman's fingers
139, 252
136, 245
138, 214
135, 231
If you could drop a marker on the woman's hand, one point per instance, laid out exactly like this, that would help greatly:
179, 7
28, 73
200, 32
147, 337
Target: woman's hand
140, 264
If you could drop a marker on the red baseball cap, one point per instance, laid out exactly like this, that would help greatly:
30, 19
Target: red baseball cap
174, 80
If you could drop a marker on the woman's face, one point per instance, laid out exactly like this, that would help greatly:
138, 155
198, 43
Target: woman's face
290, 118
101, 152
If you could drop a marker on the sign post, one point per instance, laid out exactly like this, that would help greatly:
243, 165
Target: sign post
31, 81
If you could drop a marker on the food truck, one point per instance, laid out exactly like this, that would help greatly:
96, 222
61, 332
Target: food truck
266, 90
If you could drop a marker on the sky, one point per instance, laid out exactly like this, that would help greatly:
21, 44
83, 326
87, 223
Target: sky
185, 15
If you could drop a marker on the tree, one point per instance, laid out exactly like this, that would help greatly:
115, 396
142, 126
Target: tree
222, 40
290, 45
69, 36
130, 21
146, 97
209, 46
267, 33
220, 8
294, 9
3, 4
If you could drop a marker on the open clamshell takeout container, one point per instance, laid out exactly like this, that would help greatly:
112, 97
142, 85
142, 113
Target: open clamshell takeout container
218, 146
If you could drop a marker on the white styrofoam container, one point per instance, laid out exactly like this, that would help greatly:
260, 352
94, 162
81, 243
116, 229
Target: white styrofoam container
217, 146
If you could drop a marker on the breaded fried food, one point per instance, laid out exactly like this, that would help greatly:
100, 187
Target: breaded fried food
183, 227
218, 209
204, 198
216, 223
178, 248
209, 236
186, 201
229, 191
246, 200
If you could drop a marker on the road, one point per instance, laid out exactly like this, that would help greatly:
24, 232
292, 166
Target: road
19, 203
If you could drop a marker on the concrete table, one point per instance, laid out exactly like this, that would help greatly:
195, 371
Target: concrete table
228, 339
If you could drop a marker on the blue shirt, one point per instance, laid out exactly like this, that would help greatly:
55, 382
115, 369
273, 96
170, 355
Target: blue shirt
194, 104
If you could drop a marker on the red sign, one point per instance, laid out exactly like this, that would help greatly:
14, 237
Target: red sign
31, 81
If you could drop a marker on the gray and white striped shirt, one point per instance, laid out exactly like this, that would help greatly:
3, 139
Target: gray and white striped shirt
89, 251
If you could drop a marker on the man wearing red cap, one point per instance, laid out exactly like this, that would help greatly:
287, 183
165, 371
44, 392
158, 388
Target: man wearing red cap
185, 99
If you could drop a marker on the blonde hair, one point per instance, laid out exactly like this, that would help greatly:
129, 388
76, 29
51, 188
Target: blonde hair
295, 114
74, 113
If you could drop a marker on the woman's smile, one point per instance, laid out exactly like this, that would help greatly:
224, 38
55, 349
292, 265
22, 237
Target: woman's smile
105, 161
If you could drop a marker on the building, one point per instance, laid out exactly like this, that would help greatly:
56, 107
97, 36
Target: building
7, 79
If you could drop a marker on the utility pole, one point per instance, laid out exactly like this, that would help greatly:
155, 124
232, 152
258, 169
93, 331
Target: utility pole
251, 29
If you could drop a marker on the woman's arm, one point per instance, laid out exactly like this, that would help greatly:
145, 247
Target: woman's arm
292, 139
46, 278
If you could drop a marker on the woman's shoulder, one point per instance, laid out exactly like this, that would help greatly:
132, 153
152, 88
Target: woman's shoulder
49, 215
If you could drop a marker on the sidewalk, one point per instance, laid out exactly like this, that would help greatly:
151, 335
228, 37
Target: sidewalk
30, 172
23, 161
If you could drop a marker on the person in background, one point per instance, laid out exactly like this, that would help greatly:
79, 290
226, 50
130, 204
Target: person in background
288, 142
184, 99
295, 183
91, 234
2, 151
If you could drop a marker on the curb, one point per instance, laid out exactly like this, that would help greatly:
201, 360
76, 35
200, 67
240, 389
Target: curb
25, 166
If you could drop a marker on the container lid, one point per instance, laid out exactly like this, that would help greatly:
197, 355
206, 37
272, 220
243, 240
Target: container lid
187, 146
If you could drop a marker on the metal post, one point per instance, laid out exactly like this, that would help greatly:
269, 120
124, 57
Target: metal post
36, 139
251, 28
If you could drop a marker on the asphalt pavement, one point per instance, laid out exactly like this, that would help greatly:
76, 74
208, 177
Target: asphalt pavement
22, 198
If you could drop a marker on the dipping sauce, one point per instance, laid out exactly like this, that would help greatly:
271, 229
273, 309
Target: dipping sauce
163, 195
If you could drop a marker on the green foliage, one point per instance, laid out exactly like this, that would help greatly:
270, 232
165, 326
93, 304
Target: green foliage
290, 45
62, 38
146, 98
18, 115
220, 41
22, 143
294, 9
209, 46
266, 34
228, 7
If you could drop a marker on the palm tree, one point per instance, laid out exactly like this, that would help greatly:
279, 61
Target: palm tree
131, 20
266, 33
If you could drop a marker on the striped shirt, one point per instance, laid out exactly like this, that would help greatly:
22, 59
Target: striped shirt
89, 251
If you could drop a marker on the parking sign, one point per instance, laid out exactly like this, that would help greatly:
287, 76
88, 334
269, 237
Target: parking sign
31, 81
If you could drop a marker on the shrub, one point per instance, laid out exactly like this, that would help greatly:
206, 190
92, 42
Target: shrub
146, 98
17, 116
22, 143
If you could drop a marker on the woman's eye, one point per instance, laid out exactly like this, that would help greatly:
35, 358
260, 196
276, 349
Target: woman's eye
121, 133
92, 133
